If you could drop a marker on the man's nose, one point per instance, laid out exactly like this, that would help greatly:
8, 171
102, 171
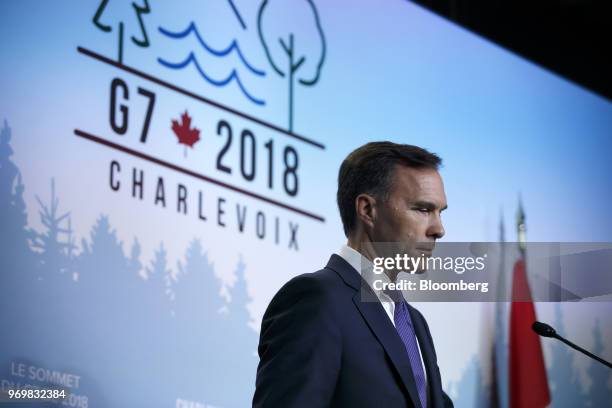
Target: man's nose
436, 229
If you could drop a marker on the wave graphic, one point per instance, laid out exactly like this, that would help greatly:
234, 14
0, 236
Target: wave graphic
191, 59
219, 53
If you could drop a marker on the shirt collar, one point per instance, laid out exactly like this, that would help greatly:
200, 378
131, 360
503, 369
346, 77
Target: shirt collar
366, 269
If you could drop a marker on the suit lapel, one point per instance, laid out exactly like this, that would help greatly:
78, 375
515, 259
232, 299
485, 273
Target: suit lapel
378, 321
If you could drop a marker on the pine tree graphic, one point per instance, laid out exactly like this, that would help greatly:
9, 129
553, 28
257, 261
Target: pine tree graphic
114, 10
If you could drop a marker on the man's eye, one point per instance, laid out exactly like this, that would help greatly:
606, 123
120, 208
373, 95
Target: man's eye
423, 210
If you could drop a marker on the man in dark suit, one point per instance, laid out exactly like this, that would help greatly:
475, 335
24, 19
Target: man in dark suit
323, 342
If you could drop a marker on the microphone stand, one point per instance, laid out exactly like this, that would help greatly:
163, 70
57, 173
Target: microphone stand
547, 331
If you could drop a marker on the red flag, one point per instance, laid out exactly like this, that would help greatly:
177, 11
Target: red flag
528, 383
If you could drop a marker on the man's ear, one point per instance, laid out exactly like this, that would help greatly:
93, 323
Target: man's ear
365, 209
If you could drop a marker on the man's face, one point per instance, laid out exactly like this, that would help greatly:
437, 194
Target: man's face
410, 216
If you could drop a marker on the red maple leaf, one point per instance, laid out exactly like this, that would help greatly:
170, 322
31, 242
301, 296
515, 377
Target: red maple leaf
183, 131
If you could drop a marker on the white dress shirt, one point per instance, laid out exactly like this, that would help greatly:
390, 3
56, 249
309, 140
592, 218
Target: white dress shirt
364, 267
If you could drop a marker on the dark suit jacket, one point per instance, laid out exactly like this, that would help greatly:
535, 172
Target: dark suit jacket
321, 345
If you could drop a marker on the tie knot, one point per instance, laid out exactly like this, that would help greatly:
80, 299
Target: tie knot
395, 295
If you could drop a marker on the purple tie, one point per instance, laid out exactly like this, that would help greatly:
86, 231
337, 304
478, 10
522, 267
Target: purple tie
403, 325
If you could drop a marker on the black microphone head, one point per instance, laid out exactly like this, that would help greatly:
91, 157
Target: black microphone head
543, 329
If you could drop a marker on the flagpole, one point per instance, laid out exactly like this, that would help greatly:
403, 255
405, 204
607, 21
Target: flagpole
528, 379
521, 227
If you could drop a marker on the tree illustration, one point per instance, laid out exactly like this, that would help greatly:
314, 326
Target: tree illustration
238, 312
103, 257
566, 389
8, 168
134, 265
600, 394
197, 284
117, 12
56, 244
159, 264
287, 52
15, 237
159, 280
241, 337
472, 391
199, 323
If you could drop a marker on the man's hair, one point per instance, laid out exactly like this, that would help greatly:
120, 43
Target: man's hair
370, 168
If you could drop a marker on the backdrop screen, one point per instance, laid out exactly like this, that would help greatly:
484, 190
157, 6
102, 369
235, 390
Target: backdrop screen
166, 166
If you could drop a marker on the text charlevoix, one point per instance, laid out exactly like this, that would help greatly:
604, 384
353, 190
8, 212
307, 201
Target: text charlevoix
218, 210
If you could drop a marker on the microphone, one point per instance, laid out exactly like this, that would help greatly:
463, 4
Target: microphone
543, 329
546, 330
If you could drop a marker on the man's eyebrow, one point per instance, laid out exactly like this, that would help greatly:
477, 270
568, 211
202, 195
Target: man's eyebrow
428, 205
